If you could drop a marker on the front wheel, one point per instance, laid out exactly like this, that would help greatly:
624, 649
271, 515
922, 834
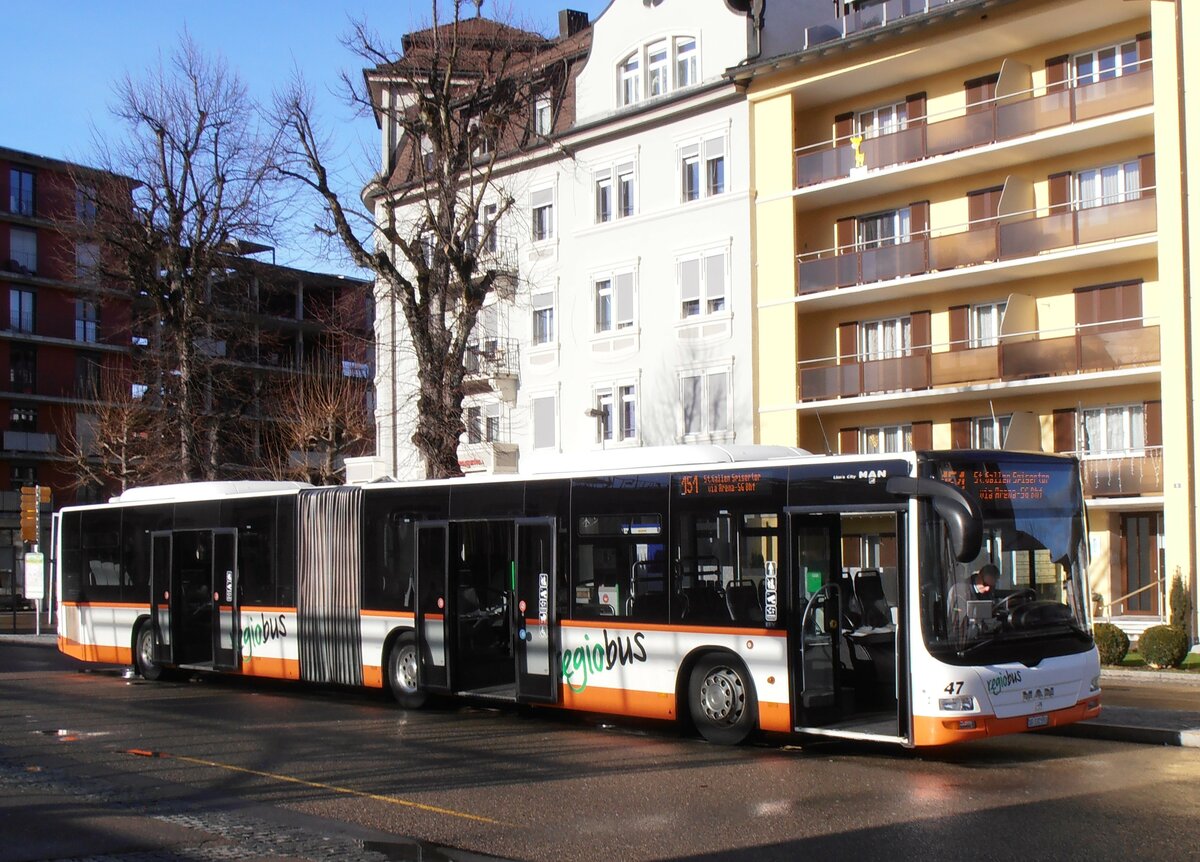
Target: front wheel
402, 673
721, 699
143, 654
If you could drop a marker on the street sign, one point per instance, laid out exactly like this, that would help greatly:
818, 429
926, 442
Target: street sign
35, 576
29, 513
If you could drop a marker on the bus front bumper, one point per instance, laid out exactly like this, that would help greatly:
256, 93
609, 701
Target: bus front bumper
946, 729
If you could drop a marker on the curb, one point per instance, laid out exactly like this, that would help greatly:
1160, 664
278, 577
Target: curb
1173, 677
1130, 733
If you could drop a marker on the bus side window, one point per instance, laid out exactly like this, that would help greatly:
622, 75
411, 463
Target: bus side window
101, 545
72, 558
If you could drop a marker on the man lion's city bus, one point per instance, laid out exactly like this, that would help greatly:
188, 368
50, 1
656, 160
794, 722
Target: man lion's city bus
747, 589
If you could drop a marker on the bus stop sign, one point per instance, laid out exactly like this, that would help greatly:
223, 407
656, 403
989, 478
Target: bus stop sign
35, 580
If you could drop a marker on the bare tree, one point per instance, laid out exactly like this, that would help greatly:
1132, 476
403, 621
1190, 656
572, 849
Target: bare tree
191, 175
456, 101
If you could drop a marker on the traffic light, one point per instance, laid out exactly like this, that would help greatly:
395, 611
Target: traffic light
29, 513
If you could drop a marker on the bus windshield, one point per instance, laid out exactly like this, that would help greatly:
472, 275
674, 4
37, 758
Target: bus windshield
1022, 597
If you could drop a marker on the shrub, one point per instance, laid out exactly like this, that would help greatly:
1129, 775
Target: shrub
1111, 642
1163, 646
1181, 603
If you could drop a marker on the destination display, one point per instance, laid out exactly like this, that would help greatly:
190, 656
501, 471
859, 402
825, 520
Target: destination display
712, 484
992, 484
1026, 484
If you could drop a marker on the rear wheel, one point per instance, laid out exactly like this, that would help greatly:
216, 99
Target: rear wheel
143, 653
721, 699
402, 673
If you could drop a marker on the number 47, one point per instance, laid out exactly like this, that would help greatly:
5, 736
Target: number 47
954, 687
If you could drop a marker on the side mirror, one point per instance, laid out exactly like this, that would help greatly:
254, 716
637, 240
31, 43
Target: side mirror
960, 512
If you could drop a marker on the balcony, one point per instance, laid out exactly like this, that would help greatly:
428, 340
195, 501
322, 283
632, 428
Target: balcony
30, 441
1018, 237
868, 16
494, 457
1123, 474
492, 364
1084, 349
997, 121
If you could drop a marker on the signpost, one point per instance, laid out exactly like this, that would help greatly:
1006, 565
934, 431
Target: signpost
35, 584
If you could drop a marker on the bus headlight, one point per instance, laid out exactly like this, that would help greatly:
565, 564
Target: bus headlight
960, 703
1096, 682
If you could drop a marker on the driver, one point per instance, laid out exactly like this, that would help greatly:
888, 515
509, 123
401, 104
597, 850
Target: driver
980, 587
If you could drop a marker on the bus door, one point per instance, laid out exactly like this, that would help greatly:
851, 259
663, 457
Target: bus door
160, 596
227, 652
817, 602
534, 611
433, 606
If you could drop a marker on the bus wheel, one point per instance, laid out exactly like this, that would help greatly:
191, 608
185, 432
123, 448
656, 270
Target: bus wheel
402, 673
721, 699
143, 654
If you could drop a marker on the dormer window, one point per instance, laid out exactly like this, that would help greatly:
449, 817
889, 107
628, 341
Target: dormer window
669, 65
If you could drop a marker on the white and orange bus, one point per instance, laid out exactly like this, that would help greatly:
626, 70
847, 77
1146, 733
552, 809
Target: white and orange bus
741, 590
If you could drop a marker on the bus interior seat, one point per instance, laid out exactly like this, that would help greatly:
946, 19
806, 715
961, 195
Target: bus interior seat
868, 590
741, 598
704, 604
649, 606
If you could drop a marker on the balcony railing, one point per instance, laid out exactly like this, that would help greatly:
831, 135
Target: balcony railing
1091, 348
993, 121
970, 245
30, 441
492, 357
1122, 474
868, 16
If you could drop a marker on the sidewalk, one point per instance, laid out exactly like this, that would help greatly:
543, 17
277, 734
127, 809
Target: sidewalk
1149, 707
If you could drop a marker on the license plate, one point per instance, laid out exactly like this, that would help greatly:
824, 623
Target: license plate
1038, 721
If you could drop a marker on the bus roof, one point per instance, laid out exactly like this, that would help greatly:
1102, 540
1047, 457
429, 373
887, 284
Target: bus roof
653, 457
203, 490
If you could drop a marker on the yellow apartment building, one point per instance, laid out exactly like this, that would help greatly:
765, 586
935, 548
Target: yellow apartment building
971, 227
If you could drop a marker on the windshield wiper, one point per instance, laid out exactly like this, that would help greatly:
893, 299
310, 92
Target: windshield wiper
966, 651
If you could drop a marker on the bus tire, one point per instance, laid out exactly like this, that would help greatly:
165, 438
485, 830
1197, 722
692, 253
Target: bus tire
403, 676
721, 699
143, 653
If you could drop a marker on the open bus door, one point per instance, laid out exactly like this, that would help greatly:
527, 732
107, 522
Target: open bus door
533, 604
816, 564
433, 606
160, 596
227, 652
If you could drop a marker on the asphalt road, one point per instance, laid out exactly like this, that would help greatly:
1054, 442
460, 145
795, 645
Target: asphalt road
93, 764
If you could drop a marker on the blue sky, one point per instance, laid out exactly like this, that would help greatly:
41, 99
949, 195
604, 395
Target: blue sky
63, 56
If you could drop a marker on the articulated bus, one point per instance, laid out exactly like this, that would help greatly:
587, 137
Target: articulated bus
741, 590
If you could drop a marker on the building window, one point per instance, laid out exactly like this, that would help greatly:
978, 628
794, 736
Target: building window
1102, 64
23, 248
87, 257
483, 423
85, 320
985, 324
1114, 430
604, 195
543, 115
886, 228
886, 438
22, 368
885, 339
631, 79
616, 413
686, 72
705, 399
656, 69
1111, 184
702, 284
542, 206
21, 196
702, 169
989, 432
21, 310
544, 422
87, 375
884, 120
85, 204
356, 370
22, 476
23, 418
614, 302
626, 190
543, 317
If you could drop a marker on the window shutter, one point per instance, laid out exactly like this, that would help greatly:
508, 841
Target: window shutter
848, 441
543, 422
851, 551
1143, 49
960, 316
920, 330
541, 198
1057, 69
845, 234
689, 280
714, 148
960, 433
1060, 191
848, 342
1146, 173
1064, 430
915, 105
624, 297
843, 128
980, 90
714, 276
1152, 410
918, 214
984, 204
922, 435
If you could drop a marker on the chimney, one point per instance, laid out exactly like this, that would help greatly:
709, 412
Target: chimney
571, 22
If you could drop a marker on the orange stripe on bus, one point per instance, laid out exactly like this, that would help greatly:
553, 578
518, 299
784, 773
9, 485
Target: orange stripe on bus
142, 606
657, 627
775, 716
275, 668
372, 676
928, 730
617, 701
403, 615
265, 609
95, 652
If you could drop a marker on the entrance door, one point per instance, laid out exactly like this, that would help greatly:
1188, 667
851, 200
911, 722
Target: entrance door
160, 597
432, 611
1139, 550
816, 595
534, 601
482, 572
227, 652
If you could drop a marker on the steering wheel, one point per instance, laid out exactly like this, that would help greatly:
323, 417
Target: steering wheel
1005, 605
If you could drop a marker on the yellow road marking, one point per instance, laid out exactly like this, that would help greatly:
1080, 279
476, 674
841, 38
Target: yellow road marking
391, 800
